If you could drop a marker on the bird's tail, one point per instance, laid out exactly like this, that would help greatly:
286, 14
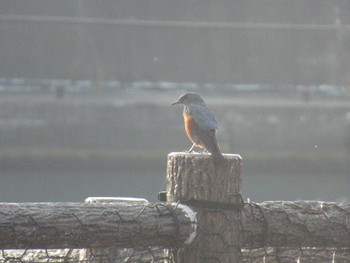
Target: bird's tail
208, 138
218, 158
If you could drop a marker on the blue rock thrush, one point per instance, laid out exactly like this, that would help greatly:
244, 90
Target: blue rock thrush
200, 125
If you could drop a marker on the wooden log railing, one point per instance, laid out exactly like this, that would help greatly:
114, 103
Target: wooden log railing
203, 220
296, 224
86, 225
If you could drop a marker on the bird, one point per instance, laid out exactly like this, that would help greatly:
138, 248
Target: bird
200, 125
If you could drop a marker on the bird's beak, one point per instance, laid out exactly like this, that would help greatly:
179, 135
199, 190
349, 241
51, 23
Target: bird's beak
175, 103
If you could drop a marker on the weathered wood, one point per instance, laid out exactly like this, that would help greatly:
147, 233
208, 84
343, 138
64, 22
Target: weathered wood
110, 254
113, 254
296, 224
289, 255
88, 225
281, 231
214, 193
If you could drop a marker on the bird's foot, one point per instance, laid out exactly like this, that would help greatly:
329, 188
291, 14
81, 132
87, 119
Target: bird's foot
191, 149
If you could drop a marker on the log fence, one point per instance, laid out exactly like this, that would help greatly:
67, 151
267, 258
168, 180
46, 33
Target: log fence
202, 219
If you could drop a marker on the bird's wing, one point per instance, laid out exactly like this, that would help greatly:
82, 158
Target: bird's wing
203, 117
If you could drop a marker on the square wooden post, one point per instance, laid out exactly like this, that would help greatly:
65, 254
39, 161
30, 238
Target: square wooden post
214, 193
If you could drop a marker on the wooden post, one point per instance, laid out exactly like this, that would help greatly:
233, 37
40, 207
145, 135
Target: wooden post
214, 193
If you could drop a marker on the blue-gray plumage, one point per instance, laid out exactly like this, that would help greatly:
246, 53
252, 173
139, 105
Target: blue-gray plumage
200, 124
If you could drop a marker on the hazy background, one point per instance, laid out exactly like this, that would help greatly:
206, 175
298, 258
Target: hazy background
86, 87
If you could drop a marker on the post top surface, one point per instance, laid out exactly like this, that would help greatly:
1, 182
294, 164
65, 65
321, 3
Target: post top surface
204, 155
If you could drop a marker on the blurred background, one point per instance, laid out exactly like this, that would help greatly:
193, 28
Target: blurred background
86, 87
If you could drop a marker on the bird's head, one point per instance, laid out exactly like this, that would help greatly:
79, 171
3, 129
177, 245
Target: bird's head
189, 98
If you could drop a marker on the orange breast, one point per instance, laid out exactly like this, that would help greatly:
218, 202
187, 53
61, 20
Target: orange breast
190, 128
